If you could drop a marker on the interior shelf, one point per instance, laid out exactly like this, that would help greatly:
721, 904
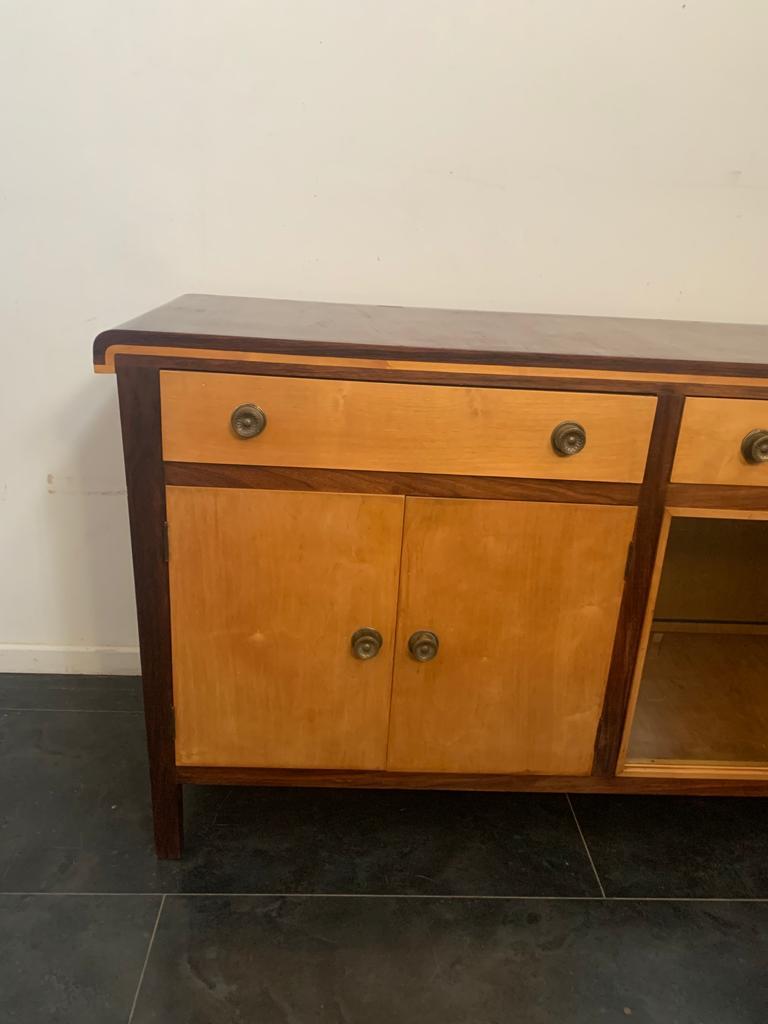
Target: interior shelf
703, 697
703, 692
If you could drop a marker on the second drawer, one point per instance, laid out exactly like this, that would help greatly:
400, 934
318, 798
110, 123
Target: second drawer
723, 441
413, 428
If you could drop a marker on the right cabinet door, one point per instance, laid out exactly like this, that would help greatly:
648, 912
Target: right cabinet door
513, 606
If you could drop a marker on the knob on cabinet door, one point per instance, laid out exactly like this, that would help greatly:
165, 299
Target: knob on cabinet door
568, 438
754, 447
248, 421
423, 645
366, 643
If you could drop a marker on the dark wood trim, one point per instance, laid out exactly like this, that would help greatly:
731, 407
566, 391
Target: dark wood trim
431, 485
666, 428
717, 496
351, 349
697, 390
490, 783
139, 394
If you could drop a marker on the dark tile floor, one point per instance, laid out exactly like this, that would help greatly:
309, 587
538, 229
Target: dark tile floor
342, 907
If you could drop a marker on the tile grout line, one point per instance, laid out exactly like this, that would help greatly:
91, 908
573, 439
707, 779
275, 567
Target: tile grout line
586, 848
146, 960
399, 896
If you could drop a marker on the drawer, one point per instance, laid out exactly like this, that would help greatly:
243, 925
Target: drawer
712, 449
409, 428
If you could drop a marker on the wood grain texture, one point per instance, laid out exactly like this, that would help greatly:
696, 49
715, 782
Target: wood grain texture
499, 377
267, 588
709, 449
258, 361
402, 428
715, 571
697, 575
645, 638
235, 323
646, 780
751, 514
524, 598
702, 697
430, 485
139, 395
717, 772
713, 496
634, 604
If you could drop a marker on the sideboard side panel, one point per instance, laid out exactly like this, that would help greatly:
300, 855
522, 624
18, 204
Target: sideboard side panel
139, 394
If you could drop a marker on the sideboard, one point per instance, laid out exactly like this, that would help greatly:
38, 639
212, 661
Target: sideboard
386, 547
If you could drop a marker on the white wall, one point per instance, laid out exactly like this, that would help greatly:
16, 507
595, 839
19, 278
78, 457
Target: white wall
583, 156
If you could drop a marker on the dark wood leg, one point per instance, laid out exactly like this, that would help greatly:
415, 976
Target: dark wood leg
139, 392
168, 817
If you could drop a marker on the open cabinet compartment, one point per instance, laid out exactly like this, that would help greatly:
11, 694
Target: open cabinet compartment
700, 693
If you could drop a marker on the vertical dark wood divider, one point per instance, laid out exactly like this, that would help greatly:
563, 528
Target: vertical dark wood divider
666, 427
139, 394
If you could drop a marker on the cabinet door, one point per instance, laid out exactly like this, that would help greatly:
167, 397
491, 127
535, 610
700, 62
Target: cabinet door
524, 600
267, 588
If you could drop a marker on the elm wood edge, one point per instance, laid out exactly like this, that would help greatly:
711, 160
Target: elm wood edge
666, 427
449, 379
168, 358
399, 376
277, 325
429, 485
139, 397
481, 783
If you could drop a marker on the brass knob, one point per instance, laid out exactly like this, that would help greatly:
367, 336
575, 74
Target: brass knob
754, 447
366, 643
423, 645
569, 438
248, 421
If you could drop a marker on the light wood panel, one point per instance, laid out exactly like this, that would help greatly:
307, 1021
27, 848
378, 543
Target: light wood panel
524, 598
719, 513
695, 772
403, 427
709, 448
480, 369
267, 588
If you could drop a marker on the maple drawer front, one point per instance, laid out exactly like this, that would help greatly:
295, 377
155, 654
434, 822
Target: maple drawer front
723, 441
242, 419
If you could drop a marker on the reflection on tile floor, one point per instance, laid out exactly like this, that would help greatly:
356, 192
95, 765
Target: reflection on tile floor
338, 905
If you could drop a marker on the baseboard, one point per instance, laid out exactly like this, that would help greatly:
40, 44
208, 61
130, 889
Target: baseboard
44, 658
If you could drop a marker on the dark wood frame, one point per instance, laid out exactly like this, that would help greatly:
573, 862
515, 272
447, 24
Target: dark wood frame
139, 396
147, 476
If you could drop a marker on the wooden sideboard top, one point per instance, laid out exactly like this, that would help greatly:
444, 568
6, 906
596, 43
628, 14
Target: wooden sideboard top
224, 322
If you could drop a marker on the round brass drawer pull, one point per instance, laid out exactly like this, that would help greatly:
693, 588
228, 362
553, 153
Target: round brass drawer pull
754, 447
423, 645
248, 421
568, 438
366, 643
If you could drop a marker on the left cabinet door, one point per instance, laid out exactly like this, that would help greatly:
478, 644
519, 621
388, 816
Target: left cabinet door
267, 590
